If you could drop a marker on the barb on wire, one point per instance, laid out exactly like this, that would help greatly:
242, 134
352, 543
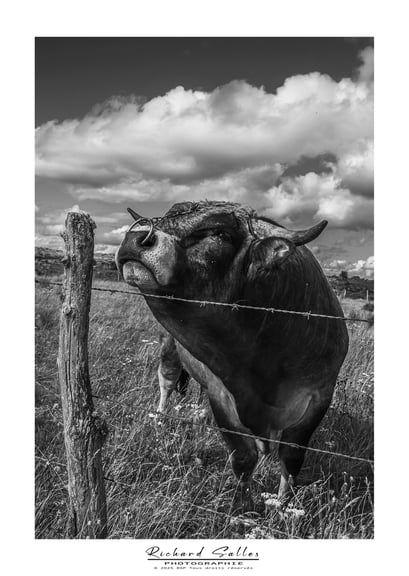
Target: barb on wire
203, 303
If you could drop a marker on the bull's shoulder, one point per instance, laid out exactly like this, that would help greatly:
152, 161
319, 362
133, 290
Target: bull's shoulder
308, 272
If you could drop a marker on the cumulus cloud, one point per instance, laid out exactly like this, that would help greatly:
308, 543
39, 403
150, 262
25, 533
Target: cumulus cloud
233, 185
234, 143
317, 196
363, 268
52, 223
115, 236
187, 135
356, 168
105, 248
49, 241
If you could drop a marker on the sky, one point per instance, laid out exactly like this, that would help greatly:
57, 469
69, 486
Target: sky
284, 125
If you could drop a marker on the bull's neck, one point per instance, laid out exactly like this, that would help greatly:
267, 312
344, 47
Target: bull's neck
298, 285
211, 334
225, 338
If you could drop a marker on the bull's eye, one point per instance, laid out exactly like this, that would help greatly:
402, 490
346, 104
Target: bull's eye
223, 235
204, 234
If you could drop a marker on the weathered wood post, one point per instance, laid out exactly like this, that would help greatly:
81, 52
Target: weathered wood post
83, 432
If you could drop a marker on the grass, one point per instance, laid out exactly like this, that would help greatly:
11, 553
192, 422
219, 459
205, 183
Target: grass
170, 480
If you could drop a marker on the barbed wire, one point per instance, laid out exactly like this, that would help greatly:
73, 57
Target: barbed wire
50, 461
209, 426
204, 303
262, 438
245, 434
236, 433
230, 517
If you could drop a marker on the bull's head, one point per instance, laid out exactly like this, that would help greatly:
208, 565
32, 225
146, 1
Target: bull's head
204, 248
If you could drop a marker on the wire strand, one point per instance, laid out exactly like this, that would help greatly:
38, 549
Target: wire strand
203, 303
244, 434
270, 440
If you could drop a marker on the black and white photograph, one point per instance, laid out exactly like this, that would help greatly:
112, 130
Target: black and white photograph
204, 290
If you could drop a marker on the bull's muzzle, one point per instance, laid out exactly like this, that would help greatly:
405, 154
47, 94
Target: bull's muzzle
134, 243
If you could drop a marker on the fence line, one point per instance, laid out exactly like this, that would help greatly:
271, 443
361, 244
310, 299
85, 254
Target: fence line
236, 433
84, 431
243, 434
247, 435
209, 426
255, 437
203, 303
216, 429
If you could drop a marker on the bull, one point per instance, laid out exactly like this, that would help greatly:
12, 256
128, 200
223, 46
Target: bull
267, 374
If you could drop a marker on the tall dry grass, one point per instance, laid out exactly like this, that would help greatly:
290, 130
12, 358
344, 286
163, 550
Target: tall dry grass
170, 480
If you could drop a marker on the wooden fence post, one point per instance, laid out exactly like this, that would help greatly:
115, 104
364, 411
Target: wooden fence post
83, 432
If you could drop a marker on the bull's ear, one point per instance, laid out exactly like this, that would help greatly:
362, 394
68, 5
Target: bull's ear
271, 252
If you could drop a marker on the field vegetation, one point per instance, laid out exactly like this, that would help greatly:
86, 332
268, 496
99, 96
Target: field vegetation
167, 479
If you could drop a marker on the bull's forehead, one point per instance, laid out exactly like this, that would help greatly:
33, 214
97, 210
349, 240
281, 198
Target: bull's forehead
186, 216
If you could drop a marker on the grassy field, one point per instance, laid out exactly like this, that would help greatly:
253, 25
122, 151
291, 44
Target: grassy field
171, 480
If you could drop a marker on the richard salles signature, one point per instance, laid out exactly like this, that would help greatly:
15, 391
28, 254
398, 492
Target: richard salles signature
203, 553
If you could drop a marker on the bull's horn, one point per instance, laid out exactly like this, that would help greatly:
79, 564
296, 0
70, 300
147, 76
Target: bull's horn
134, 214
300, 237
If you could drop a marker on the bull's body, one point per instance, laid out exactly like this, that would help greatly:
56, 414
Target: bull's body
264, 372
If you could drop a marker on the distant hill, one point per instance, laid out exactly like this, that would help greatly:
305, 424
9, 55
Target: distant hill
354, 287
48, 263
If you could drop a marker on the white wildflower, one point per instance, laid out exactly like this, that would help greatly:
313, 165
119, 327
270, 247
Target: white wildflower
273, 502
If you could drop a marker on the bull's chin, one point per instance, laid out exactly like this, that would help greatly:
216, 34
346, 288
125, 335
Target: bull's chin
136, 274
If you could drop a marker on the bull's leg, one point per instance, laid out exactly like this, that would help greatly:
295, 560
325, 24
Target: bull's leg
170, 371
166, 387
291, 457
243, 450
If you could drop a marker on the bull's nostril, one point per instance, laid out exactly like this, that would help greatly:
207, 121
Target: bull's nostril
149, 239
143, 238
